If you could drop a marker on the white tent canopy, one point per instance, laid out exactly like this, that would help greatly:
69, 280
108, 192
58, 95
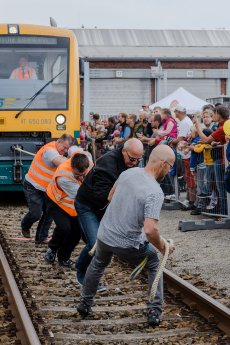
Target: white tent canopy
183, 97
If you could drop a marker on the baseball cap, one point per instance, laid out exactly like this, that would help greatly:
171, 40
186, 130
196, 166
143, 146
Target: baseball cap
180, 108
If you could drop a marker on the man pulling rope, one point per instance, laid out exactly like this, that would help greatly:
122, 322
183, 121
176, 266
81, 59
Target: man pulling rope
136, 201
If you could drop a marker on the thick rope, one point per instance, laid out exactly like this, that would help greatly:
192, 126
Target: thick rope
160, 269
140, 267
93, 250
27, 152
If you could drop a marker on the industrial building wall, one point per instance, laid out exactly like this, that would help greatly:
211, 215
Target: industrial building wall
202, 88
111, 96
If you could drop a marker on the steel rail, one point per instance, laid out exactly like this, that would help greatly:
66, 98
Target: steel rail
206, 306
25, 329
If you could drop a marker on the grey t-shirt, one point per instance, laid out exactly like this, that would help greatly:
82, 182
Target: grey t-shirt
48, 157
137, 196
68, 186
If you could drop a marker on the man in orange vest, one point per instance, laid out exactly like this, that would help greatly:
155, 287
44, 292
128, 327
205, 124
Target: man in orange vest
61, 193
24, 71
40, 173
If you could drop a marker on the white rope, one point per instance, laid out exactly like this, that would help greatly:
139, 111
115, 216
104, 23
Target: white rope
27, 152
160, 269
93, 250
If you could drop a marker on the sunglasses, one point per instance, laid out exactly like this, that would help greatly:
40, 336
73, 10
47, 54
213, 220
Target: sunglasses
133, 159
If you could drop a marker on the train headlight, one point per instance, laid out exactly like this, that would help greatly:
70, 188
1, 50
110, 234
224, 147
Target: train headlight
60, 119
13, 29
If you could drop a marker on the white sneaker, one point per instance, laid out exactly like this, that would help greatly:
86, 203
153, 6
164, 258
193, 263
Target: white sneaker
170, 197
212, 204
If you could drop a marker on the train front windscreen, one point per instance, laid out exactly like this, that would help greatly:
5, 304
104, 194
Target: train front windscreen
34, 66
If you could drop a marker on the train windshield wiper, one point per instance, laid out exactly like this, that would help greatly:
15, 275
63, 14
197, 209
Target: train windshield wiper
37, 94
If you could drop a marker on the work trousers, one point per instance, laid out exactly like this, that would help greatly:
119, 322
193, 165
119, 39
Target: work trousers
132, 256
37, 211
67, 232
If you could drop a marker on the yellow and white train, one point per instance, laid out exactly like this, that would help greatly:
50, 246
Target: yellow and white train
39, 94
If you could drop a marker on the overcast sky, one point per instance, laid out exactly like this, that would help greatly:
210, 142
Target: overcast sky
120, 14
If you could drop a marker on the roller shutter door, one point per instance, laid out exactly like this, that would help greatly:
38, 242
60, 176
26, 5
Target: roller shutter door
202, 88
112, 96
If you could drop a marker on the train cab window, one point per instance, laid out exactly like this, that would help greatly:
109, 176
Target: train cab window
26, 69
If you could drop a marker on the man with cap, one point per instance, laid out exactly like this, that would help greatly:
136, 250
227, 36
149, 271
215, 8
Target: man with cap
184, 130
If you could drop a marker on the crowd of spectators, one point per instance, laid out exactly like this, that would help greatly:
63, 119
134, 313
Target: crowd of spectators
196, 139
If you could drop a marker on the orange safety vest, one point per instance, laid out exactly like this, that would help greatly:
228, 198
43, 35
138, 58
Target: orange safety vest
39, 172
56, 194
18, 73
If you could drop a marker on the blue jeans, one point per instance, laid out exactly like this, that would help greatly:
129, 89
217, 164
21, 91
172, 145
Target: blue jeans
37, 211
201, 186
133, 256
210, 178
219, 177
89, 222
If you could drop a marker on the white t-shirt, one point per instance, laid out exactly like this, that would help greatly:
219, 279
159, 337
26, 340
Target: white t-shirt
184, 127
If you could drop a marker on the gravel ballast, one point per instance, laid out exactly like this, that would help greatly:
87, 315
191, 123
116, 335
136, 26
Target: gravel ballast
203, 252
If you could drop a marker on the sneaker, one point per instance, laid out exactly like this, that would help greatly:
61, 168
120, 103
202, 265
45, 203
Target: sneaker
66, 263
101, 288
153, 317
190, 207
80, 277
26, 233
170, 197
50, 256
196, 212
212, 205
83, 309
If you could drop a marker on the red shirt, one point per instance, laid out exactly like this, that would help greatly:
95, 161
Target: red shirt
219, 135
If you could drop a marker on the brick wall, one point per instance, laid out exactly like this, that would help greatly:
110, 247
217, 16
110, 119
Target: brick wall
223, 86
165, 64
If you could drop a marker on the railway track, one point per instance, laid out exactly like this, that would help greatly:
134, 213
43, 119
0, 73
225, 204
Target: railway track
50, 294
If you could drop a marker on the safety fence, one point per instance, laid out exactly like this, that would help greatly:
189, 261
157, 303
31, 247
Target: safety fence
197, 180
97, 149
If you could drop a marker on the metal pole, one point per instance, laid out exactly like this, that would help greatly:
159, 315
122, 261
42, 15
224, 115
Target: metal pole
228, 194
228, 83
165, 83
158, 88
86, 91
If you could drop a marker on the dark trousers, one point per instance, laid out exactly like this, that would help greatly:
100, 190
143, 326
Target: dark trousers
37, 211
67, 232
132, 256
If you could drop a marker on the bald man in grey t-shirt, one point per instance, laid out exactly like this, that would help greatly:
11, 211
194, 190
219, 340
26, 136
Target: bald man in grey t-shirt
136, 201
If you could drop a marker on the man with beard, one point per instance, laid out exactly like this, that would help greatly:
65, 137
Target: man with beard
136, 200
